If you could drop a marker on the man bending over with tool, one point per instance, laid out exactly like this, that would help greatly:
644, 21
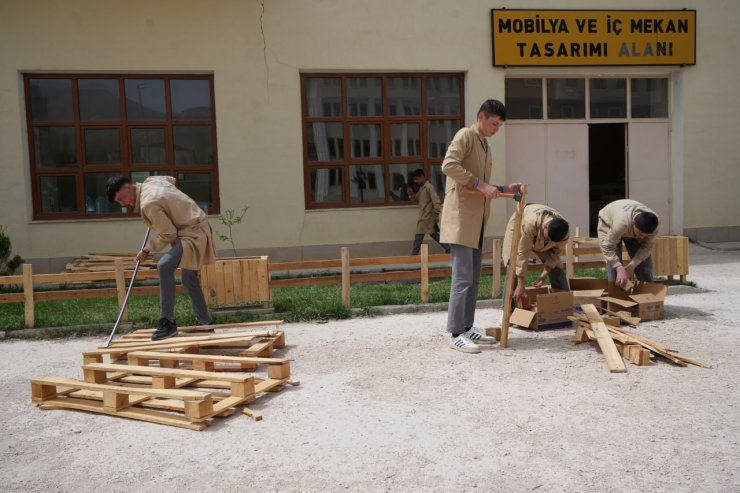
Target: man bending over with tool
180, 224
544, 232
629, 222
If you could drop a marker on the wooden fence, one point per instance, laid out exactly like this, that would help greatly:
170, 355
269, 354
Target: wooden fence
670, 258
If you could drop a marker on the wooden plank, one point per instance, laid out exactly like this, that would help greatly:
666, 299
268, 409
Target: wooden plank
263, 280
569, 258
496, 268
424, 273
228, 280
151, 416
28, 307
511, 268
253, 281
186, 395
167, 372
236, 279
609, 350
305, 265
346, 286
220, 283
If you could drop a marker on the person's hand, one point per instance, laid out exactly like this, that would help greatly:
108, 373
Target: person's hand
488, 190
520, 292
141, 256
409, 190
540, 280
623, 275
514, 188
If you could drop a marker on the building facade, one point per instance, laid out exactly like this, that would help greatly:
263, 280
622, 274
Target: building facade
313, 114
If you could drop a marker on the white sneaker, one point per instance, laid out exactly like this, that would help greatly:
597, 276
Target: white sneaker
478, 336
462, 343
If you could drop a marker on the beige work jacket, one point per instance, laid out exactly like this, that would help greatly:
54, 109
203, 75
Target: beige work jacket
175, 217
532, 240
464, 215
615, 223
429, 208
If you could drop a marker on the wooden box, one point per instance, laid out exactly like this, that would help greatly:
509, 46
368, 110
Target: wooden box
236, 280
671, 256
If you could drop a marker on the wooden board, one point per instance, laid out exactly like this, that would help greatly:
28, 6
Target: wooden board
511, 268
613, 359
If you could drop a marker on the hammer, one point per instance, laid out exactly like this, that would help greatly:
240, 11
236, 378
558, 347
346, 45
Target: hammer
516, 196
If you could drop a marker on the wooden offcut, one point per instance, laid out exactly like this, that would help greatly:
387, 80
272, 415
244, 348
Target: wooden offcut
606, 343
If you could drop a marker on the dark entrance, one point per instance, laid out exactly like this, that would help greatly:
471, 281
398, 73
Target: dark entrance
607, 167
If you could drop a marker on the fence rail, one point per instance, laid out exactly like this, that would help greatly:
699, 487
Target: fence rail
672, 259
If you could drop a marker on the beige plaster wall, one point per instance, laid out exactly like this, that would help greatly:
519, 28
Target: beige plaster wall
258, 100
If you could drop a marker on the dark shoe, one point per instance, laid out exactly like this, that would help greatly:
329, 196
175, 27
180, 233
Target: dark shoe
167, 328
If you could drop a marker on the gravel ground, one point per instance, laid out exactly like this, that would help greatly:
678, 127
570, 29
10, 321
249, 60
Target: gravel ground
385, 405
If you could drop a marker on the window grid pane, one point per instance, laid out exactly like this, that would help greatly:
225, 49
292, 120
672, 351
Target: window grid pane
72, 154
364, 133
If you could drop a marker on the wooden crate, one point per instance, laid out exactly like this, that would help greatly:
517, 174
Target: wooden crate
671, 256
236, 280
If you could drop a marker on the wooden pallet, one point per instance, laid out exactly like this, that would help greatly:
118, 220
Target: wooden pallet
183, 381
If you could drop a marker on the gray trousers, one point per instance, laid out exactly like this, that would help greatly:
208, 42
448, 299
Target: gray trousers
643, 271
419, 239
166, 266
466, 265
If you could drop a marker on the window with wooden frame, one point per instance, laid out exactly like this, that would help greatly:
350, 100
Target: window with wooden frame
85, 128
365, 133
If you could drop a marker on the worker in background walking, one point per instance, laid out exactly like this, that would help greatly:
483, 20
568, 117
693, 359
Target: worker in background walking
429, 209
544, 232
629, 222
179, 224
467, 166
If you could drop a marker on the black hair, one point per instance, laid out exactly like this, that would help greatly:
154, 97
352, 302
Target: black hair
647, 222
493, 107
557, 229
114, 184
417, 172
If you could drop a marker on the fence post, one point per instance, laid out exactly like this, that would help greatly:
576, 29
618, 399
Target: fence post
569, 258
496, 286
345, 277
121, 286
424, 273
28, 295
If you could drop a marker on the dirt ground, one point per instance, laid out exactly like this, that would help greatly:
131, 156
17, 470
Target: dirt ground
385, 405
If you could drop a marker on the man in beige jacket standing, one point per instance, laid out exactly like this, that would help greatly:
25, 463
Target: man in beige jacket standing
629, 222
180, 224
544, 232
467, 166
429, 209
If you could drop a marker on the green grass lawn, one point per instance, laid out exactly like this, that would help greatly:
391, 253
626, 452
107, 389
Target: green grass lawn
294, 304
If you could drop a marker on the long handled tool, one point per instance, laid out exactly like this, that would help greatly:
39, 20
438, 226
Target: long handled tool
516, 196
128, 292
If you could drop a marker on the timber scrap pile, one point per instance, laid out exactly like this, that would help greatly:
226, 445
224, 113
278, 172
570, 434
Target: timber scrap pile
616, 343
97, 262
185, 381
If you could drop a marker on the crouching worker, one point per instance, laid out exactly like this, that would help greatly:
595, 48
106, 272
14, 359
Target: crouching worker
180, 224
544, 232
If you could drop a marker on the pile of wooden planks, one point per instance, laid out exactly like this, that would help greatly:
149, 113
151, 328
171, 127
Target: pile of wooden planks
617, 344
96, 262
184, 381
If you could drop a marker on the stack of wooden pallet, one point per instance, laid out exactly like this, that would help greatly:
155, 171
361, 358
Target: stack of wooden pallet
184, 381
616, 343
95, 262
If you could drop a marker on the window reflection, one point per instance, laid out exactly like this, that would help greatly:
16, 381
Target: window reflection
441, 133
364, 96
192, 144
145, 99
197, 186
443, 95
102, 146
99, 99
401, 180
405, 139
608, 98
365, 140
147, 146
96, 201
325, 141
58, 193
566, 98
649, 98
55, 147
51, 99
323, 96
367, 184
404, 96
191, 99
524, 99
326, 185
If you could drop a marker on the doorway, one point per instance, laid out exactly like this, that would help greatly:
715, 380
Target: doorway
607, 167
